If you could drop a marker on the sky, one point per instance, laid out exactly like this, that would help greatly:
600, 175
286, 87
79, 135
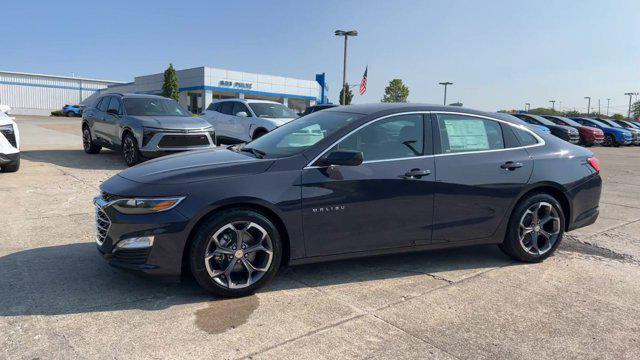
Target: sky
498, 54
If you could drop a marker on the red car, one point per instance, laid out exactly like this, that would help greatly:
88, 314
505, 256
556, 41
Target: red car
588, 135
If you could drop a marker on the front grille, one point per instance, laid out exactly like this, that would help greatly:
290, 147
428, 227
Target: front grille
102, 225
11, 137
138, 256
574, 137
183, 140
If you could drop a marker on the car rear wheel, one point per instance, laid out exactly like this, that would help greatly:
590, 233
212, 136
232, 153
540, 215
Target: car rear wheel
235, 253
87, 143
130, 150
13, 167
535, 229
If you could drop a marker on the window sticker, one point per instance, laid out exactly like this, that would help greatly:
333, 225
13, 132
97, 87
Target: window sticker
466, 135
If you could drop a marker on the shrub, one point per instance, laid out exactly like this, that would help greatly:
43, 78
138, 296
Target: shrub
57, 113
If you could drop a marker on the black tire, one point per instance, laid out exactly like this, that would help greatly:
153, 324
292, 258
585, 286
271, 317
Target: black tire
258, 133
203, 237
13, 167
609, 140
70, 114
89, 146
512, 245
130, 150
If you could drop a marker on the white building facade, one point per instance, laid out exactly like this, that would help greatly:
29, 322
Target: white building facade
38, 94
199, 86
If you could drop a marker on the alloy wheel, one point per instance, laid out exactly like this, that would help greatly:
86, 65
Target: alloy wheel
239, 254
129, 150
539, 228
86, 139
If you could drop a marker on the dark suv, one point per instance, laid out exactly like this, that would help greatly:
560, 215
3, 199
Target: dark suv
142, 126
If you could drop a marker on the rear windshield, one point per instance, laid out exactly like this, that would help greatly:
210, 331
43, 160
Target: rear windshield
154, 107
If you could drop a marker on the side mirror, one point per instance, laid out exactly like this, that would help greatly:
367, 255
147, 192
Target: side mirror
112, 112
343, 157
242, 114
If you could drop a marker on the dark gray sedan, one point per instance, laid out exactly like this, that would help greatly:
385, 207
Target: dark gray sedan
142, 126
348, 182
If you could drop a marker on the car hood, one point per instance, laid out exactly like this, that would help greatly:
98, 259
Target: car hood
172, 122
195, 166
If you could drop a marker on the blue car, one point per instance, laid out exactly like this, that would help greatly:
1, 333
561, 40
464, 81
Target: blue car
72, 110
612, 136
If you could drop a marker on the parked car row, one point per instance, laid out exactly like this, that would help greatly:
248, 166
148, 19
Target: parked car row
588, 131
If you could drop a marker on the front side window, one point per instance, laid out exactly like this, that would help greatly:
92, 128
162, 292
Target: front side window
114, 104
240, 107
154, 107
300, 134
396, 137
104, 103
459, 133
272, 111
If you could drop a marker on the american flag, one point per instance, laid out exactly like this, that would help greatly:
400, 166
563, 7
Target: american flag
363, 83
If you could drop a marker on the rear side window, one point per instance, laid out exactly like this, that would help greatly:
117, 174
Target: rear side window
524, 137
459, 133
226, 107
104, 103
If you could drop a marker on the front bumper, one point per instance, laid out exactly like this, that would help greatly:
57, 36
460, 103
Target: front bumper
6, 159
166, 142
163, 258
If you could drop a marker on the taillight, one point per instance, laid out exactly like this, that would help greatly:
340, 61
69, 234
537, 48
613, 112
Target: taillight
595, 163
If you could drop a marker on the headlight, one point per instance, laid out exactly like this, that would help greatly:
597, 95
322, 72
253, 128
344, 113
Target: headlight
147, 134
146, 206
7, 128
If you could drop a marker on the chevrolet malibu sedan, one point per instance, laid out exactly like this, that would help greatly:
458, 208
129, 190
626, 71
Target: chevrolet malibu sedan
347, 182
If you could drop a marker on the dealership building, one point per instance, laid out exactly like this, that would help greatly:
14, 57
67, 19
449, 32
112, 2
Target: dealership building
38, 94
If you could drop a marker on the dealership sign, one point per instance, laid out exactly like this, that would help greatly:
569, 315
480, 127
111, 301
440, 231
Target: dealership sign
238, 85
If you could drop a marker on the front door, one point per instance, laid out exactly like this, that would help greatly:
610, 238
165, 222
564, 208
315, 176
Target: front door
478, 174
386, 202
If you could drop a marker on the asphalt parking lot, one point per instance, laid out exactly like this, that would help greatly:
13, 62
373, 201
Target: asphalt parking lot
59, 299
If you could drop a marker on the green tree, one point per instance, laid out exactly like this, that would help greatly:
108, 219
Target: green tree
395, 92
635, 110
572, 113
618, 116
542, 111
170, 85
348, 97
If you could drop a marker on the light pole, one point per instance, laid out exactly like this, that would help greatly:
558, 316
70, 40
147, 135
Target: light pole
527, 106
553, 105
630, 94
588, 104
346, 35
608, 100
598, 107
446, 83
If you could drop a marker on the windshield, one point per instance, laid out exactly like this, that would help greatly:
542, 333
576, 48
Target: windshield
611, 123
599, 123
154, 107
568, 121
271, 110
300, 134
543, 120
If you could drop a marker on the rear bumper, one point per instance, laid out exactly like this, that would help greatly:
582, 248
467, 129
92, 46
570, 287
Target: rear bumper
585, 201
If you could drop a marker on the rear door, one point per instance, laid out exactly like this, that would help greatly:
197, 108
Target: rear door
378, 204
480, 169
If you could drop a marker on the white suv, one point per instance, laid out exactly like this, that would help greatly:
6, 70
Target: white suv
9, 144
239, 120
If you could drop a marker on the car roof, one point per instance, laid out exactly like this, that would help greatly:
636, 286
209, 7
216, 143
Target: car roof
368, 109
134, 95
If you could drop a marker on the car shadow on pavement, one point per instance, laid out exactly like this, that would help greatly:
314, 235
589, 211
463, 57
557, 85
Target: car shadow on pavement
73, 278
77, 159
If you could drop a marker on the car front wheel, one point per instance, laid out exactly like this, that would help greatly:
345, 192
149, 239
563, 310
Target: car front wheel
130, 150
235, 253
535, 229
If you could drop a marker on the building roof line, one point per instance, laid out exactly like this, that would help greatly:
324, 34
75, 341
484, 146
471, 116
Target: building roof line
60, 77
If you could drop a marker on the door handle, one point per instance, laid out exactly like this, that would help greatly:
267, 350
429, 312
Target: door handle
510, 165
416, 173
